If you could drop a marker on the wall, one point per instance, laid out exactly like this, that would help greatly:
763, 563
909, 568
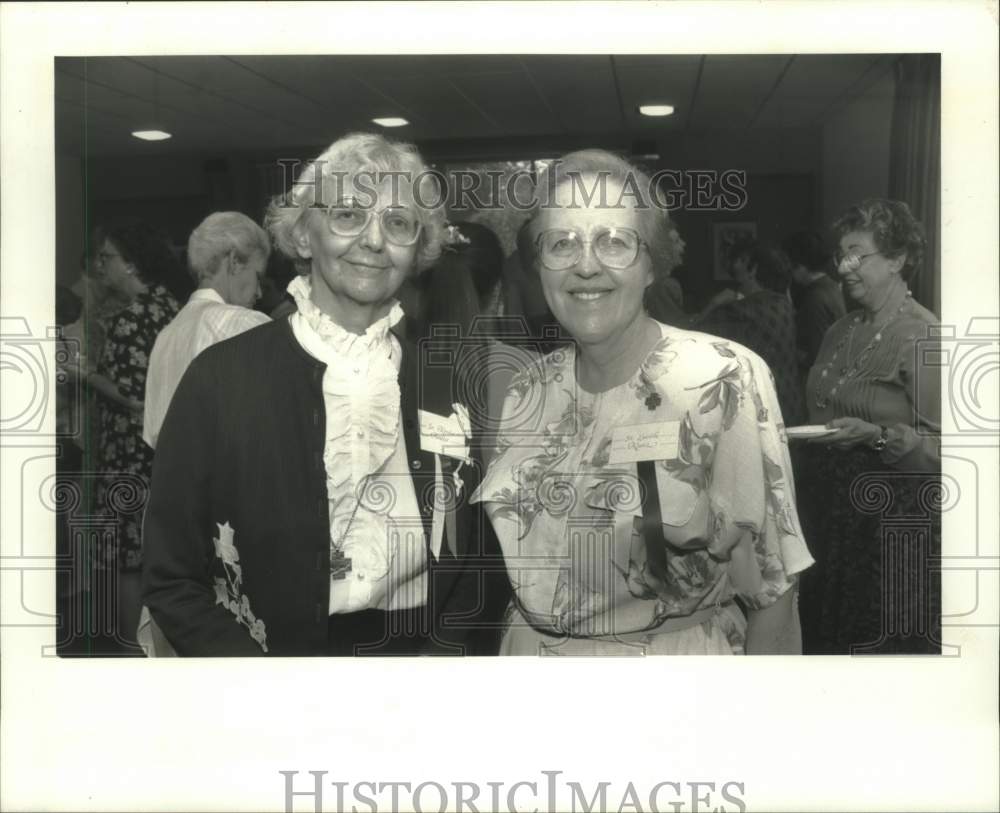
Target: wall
175, 191
71, 236
856, 141
783, 180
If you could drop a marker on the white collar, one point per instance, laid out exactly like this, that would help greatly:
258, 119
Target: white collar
333, 334
207, 295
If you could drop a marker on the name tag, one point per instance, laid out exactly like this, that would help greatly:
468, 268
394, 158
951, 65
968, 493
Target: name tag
645, 441
442, 435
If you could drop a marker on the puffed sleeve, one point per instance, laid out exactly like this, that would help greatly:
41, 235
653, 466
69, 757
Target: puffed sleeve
751, 490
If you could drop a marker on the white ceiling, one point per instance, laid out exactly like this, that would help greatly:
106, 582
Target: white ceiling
265, 103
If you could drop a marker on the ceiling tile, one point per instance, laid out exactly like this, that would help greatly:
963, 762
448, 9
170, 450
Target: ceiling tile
579, 89
809, 87
733, 88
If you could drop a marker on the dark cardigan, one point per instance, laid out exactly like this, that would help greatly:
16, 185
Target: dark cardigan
243, 443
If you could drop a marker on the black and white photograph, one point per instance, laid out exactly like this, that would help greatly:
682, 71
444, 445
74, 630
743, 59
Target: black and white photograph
335, 374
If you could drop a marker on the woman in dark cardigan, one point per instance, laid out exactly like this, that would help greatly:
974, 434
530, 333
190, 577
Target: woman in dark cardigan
309, 495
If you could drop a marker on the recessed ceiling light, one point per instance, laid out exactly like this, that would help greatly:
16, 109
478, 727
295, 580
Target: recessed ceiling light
391, 121
656, 109
151, 135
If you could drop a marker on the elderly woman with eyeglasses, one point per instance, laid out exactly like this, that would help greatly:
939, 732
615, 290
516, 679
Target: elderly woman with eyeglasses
310, 489
875, 385
641, 489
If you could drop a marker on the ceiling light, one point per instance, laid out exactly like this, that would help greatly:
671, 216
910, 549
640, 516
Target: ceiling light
151, 135
391, 121
656, 109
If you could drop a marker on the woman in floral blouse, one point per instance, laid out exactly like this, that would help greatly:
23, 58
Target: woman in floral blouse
642, 489
136, 261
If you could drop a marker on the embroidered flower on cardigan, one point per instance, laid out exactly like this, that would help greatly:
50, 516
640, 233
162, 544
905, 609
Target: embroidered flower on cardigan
228, 591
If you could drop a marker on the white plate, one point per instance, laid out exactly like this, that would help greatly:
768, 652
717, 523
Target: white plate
816, 431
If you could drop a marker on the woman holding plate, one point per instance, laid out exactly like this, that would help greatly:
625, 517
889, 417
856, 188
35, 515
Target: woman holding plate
875, 383
641, 490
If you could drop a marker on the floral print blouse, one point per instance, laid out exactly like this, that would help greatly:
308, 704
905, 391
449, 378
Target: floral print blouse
565, 499
131, 334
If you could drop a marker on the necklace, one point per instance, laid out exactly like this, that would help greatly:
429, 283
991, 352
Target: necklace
847, 367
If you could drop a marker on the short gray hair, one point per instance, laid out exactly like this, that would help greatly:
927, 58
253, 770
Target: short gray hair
355, 154
217, 235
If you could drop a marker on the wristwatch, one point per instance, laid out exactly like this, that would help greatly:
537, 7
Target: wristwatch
883, 439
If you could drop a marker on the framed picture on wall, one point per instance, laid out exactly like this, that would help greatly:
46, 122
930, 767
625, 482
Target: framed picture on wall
725, 237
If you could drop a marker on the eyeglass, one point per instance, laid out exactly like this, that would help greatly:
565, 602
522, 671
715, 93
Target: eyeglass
401, 227
617, 248
851, 261
104, 256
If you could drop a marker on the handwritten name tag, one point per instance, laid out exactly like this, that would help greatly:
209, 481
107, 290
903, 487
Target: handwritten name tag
644, 441
442, 435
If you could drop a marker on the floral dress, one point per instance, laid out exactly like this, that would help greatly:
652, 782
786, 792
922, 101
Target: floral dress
126, 462
566, 499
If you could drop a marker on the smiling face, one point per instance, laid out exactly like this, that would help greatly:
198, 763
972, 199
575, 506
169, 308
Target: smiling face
595, 304
868, 278
355, 276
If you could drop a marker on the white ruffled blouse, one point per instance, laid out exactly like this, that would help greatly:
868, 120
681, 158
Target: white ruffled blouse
372, 500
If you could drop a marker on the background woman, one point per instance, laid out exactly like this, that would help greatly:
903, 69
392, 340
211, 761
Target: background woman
763, 320
870, 381
136, 261
817, 297
640, 484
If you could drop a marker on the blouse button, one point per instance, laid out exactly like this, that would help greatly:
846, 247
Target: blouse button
415, 463
357, 371
361, 577
361, 434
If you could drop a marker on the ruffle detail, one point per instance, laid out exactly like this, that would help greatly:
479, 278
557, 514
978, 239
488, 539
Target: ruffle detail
362, 398
345, 342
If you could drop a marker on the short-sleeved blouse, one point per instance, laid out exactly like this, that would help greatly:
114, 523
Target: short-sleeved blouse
569, 519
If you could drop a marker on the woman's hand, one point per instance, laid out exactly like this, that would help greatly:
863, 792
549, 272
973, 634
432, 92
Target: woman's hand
850, 432
107, 388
